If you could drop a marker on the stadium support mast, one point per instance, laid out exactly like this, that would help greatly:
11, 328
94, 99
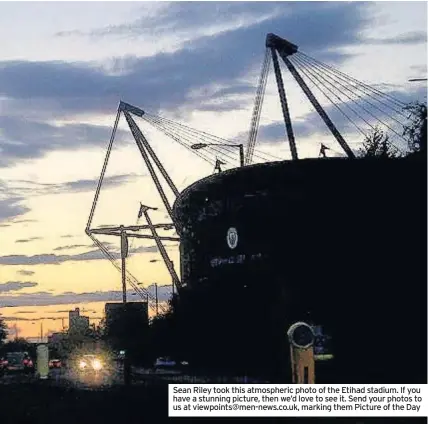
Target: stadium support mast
278, 46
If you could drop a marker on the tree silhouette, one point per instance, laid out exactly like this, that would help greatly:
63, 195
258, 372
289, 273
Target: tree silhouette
377, 144
3, 331
416, 130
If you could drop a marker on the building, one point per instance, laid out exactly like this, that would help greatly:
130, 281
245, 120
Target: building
77, 322
338, 242
138, 309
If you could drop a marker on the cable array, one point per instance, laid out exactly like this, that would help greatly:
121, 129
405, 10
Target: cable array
363, 103
132, 281
217, 147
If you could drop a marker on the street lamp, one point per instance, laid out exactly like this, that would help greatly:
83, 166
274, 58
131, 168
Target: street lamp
240, 146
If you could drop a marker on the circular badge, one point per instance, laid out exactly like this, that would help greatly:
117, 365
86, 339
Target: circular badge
232, 238
301, 335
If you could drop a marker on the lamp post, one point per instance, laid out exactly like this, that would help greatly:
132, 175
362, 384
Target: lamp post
240, 146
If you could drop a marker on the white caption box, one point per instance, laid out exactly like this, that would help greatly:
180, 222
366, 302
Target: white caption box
268, 400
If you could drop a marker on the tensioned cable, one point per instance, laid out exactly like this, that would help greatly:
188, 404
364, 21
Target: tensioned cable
229, 148
332, 102
258, 104
375, 90
200, 133
309, 70
215, 148
314, 66
174, 137
172, 133
373, 128
304, 68
106, 159
144, 294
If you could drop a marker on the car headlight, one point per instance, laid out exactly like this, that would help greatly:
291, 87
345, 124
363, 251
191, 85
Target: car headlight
96, 365
82, 364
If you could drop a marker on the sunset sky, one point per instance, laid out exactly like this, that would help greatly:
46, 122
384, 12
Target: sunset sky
64, 67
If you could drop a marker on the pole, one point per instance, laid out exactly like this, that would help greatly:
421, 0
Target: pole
123, 253
161, 248
284, 105
123, 279
173, 285
317, 106
241, 155
156, 296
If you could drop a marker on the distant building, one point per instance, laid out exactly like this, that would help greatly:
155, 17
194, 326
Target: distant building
55, 338
77, 322
140, 309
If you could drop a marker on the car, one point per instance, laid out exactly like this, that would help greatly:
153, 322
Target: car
164, 363
89, 363
55, 363
18, 362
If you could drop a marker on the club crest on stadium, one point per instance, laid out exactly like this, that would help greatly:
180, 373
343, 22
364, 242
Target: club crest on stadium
232, 238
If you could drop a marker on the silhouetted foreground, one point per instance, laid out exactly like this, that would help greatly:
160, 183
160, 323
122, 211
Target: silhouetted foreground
41, 403
334, 242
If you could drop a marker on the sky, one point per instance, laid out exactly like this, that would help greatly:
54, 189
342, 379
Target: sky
64, 69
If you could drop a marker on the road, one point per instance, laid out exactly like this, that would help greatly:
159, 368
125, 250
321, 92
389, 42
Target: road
60, 400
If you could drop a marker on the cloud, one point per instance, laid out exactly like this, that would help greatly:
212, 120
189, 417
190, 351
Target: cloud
25, 272
25, 221
31, 188
25, 312
26, 138
67, 236
166, 79
416, 37
45, 298
71, 246
311, 123
15, 286
217, 54
52, 259
12, 207
28, 240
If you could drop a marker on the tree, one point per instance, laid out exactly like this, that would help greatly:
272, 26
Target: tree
377, 144
3, 331
128, 329
416, 130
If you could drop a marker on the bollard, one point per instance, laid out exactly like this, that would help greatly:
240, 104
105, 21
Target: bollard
301, 337
42, 361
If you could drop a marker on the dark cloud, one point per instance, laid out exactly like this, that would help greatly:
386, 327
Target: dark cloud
28, 240
52, 259
369, 115
25, 187
45, 298
25, 272
416, 37
25, 312
70, 247
11, 208
25, 221
24, 138
166, 79
15, 286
